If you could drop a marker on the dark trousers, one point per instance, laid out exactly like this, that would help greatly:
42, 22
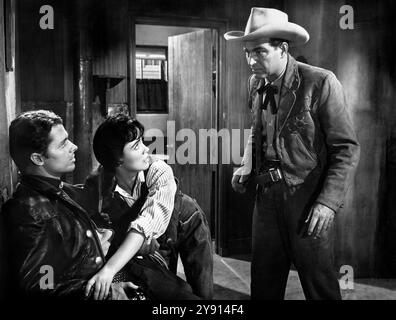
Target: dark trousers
279, 239
189, 236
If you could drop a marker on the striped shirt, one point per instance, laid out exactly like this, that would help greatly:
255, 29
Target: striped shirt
156, 212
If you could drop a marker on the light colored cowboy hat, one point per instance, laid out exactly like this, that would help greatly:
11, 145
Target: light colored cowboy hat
269, 23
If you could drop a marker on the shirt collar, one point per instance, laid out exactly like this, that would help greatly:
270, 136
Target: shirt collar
278, 81
139, 179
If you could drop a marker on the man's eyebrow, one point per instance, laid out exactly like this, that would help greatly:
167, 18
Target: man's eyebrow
64, 140
255, 48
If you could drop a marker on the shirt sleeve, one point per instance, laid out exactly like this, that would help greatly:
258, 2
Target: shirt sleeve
157, 210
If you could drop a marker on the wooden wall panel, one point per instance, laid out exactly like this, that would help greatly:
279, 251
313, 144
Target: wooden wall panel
41, 63
110, 57
8, 108
4, 159
236, 209
359, 59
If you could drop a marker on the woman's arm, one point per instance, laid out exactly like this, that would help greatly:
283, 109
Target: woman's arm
103, 279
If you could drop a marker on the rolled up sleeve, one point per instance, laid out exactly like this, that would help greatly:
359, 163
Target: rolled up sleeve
157, 210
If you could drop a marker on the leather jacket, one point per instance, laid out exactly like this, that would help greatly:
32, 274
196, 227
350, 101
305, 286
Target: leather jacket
314, 137
49, 233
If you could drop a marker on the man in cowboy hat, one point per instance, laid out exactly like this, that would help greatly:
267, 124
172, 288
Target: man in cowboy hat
302, 154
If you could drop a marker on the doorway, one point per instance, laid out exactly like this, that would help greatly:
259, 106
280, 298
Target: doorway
175, 69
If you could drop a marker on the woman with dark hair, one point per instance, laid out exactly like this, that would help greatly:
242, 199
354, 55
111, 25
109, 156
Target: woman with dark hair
136, 194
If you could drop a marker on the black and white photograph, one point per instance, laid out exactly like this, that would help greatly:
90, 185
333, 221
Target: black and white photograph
197, 156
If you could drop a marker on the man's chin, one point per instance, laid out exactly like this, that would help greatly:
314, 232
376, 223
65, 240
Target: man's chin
69, 169
259, 73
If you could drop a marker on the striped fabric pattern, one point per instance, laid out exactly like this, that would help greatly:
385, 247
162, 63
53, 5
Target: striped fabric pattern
157, 210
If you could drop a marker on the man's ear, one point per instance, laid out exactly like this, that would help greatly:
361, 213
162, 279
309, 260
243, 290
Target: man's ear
37, 159
285, 48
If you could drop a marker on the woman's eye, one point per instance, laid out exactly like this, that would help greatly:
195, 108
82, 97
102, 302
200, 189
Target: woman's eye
136, 146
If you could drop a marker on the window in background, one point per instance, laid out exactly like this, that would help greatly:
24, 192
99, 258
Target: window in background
152, 79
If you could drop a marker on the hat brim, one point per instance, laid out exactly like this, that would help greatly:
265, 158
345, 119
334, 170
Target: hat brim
292, 32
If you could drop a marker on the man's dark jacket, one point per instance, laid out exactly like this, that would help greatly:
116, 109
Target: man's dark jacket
314, 139
47, 228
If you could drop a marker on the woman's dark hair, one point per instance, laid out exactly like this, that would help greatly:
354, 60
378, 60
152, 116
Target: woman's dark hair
111, 137
29, 133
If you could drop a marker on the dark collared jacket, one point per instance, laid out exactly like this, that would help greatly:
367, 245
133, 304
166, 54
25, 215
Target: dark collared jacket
48, 230
314, 139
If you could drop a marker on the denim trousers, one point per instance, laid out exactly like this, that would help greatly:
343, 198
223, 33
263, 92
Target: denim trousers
188, 235
279, 238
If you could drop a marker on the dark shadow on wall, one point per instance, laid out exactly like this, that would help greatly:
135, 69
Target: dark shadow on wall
387, 227
3, 266
386, 96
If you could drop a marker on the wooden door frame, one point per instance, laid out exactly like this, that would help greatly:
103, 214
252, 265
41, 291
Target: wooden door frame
218, 119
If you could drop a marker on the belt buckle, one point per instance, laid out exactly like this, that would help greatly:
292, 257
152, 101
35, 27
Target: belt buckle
275, 174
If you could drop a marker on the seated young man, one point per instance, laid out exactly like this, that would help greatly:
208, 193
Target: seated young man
54, 246
136, 195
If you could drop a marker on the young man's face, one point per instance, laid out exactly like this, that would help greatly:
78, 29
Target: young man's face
264, 60
60, 153
135, 156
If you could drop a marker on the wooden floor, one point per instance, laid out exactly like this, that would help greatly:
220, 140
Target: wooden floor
232, 282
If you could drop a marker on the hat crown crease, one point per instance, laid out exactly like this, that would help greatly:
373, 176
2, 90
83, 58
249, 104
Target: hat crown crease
262, 16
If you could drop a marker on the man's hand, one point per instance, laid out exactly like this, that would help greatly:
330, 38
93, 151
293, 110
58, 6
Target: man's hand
118, 290
149, 246
102, 281
321, 217
237, 185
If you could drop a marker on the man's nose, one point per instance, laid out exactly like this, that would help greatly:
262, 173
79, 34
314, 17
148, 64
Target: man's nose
252, 61
73, 147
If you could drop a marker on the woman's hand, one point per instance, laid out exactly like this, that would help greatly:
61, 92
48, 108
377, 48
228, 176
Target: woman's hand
102, 282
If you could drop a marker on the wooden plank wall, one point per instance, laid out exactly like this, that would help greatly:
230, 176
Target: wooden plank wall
358, 58
42, 52
237, 209
110, 45
46, 63
8, 108
4, 160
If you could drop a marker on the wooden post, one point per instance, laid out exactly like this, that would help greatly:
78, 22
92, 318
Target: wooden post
83, 88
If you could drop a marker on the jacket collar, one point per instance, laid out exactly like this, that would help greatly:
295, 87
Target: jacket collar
52, 188
42, 184
291, 79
